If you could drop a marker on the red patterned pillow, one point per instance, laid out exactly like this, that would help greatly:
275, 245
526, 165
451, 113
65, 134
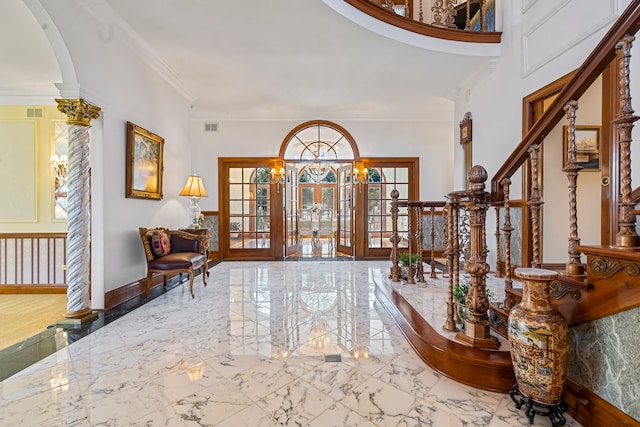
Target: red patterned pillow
160, 243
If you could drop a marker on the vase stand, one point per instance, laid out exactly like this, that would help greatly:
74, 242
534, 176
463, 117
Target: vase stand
554, 412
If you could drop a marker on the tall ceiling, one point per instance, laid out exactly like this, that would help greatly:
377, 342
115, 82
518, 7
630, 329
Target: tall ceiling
264, 58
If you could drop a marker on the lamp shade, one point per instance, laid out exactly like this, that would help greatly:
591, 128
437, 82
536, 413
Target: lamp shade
194, 187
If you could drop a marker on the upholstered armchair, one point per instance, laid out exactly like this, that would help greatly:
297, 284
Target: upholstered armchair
173, 251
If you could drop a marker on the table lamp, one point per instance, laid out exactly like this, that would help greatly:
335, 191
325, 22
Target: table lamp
194, 189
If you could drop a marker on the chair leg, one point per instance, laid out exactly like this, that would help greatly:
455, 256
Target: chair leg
191, 282
164, 281
148, 287
205, 273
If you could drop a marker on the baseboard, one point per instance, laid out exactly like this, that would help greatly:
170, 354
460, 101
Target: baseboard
125, 293
589, 409
33, 289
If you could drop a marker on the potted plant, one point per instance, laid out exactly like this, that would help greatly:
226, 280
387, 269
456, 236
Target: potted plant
234, 228
403, 259
460, 291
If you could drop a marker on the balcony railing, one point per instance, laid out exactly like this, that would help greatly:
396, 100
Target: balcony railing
33, 260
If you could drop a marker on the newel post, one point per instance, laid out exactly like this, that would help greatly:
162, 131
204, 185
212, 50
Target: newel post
476, 327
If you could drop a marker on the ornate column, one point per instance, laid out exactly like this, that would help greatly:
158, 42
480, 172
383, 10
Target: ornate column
574, 266
476, 327
627, 235
534, 205
79, 114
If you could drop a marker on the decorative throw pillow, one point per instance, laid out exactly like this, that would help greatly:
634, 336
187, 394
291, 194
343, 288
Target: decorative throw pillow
160, 243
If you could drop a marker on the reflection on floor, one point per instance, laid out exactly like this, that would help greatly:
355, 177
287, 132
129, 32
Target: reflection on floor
264, 344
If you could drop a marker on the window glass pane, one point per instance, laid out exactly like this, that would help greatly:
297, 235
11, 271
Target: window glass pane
328, 199
402, 175
307, 197
247, 174
403, 189
235, 207
235, 191
235, 175
388, 175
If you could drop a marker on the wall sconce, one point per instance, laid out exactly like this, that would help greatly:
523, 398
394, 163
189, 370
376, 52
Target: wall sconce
59, 167
194, 189
360, 174
278, 174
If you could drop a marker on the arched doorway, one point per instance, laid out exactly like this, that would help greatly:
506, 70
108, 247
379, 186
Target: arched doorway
319, 205
318, 198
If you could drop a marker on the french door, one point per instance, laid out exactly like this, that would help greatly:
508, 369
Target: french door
291, 208
345, 210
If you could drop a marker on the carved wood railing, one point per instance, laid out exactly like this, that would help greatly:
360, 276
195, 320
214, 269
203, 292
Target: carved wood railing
388, 16
581, 80
33, 260
421, 217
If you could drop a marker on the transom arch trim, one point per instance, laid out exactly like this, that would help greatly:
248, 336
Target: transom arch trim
319, 140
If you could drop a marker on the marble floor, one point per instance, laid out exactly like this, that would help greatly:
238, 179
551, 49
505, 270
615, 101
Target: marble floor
264, 344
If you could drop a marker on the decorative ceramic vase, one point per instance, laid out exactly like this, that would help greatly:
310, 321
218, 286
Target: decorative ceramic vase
539, 338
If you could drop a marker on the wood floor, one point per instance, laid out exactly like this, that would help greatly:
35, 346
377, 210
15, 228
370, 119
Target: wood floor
25, 315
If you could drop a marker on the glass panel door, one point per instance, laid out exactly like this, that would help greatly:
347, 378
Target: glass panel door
345, 210
249, 208
291, 211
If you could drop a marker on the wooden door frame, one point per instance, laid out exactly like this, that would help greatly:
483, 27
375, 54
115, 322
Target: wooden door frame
276, 231
362, 249
532, 109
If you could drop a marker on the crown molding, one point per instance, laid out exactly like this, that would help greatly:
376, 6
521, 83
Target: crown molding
117, 27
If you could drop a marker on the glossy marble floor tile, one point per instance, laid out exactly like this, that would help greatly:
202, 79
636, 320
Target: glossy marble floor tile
263, 344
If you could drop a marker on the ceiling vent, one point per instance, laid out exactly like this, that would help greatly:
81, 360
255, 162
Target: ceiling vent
211, 127
34, 113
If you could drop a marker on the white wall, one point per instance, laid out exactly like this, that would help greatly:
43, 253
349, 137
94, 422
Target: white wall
428, 140
114, 77
539, 44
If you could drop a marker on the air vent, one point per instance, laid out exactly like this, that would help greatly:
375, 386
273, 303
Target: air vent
34, 113
211, 127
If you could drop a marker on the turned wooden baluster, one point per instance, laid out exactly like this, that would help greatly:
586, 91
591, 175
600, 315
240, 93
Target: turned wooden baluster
627, 235
476, 326
507, 228
574, 266
452, 314
419, 241
411, 244
498, 273
534, 204
395, 237
433, 242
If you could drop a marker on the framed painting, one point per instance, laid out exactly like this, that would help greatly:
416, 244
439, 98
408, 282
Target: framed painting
144, 163
587, 147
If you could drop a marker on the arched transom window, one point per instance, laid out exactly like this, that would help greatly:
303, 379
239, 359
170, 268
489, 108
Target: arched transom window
318, 142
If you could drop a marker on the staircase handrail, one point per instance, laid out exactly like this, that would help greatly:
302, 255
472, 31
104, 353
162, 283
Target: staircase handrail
581, 80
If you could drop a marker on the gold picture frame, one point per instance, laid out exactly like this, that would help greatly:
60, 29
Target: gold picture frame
587, 147
144, 163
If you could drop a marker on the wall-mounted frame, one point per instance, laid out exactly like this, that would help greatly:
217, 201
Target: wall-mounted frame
465, 129
144, 163
587, 147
